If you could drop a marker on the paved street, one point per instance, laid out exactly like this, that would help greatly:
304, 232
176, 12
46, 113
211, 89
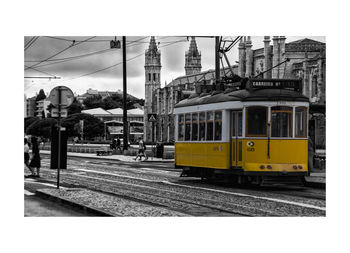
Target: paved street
155, 189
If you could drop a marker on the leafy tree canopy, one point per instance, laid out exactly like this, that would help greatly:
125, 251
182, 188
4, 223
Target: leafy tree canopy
93, 127
41, 127
93, 102
28, 121
111, 102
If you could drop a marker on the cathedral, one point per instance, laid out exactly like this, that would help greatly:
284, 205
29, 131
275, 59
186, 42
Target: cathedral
304, 59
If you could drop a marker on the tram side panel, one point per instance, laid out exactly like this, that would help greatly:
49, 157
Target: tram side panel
206, 155
283, 155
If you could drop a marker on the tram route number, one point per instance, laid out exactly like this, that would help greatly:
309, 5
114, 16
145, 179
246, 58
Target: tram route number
217, 148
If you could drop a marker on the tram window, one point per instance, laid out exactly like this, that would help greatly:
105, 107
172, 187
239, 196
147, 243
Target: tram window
256, 121
181, 128
210, 126
202, 126
194, 127
218, 125
240, 124
300, 122
281, 121
187, 127
239, 116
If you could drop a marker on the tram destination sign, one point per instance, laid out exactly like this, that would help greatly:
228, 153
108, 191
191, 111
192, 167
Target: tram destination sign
294, 84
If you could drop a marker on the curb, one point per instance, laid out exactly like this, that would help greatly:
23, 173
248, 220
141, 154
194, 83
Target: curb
63, 201
316, 185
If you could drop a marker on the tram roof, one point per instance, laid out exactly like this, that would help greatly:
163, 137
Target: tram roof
243, 95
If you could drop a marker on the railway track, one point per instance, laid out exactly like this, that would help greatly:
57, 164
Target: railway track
190, 200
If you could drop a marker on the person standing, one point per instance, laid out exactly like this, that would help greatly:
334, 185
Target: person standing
27, 157
35, 162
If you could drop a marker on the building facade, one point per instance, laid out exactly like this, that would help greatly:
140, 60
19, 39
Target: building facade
303, 59
113, 120
31, 106
41, 108
152, 83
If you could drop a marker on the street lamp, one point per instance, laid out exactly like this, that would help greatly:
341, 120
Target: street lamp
116, 44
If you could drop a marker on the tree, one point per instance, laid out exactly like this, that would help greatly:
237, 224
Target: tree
93, 102
75, 107
28, 121
41, 127
93, 127
41, 95
110, 103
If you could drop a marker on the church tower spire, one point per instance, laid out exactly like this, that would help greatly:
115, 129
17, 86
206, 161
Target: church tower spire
152, 82
193, 59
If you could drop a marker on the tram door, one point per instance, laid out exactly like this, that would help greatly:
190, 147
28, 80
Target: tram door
236, 139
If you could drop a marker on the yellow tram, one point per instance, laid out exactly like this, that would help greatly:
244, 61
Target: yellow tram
254, 133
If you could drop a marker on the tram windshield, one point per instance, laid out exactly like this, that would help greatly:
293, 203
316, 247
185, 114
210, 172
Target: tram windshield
256, 121
281, 121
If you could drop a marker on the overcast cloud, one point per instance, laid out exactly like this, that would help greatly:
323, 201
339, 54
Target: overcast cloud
76, 74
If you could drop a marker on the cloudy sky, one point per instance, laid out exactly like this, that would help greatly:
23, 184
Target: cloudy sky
84, 62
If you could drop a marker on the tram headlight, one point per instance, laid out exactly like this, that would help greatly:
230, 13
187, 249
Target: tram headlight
269, 167
262, 167
300, 167
295, 167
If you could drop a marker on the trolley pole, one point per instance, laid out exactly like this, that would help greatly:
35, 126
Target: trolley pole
125, 117
217, 61
59, 137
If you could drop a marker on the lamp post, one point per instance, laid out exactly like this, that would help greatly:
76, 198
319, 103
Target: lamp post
116, 44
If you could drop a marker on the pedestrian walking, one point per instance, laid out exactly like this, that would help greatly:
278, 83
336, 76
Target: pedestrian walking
35, 161
27, 156
118, 144
142, 148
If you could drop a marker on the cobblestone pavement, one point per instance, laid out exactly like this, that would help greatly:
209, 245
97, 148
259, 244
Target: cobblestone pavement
124, 189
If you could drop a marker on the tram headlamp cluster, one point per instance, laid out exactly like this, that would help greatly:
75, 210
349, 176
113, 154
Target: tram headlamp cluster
297, 167
262, 167
269, 167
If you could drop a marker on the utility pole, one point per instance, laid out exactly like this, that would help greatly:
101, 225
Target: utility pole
125, 116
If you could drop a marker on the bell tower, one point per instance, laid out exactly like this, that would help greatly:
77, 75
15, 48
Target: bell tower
193, 59
152, 82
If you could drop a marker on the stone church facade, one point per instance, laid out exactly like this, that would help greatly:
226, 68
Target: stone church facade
306, 60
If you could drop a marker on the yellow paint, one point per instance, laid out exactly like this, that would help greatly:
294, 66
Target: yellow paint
283, 155
209, 155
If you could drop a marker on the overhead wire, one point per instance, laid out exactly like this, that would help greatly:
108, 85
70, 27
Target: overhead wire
43, 72
114, 65
66, 59
61, 52
31, 43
